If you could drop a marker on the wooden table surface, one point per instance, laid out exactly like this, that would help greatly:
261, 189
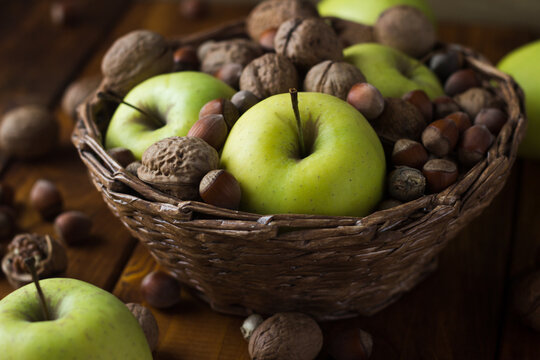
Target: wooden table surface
461, 311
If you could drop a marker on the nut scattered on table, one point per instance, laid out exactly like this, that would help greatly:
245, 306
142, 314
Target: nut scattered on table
73, 227
160, 290
46, 199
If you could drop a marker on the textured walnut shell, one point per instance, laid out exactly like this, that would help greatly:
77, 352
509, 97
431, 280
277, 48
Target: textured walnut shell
235, 51
399, 120
134, 58
54, 263
307, 42
269, 75
77, 92
292, 336
148, 323
176, 165
270, 14
334, 78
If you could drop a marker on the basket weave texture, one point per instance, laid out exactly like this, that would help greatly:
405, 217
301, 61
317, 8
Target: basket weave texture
327, 266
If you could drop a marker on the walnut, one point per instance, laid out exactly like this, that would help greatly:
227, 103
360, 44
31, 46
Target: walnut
474, 100
399, 120
77, 92
237, 51
176, 165
148, 323
271, 13
334, 78
268, 75
49, 254
134, 58
350, 32
307, 42
291, 336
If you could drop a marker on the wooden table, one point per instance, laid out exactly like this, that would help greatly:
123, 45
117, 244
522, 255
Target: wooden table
462, 311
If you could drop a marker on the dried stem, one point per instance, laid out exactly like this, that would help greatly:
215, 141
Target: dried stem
294, 101
30, 263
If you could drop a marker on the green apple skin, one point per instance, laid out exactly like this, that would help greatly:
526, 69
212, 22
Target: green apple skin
367, 11
391, 71
524, 66
90, 323
177, 96
342, 175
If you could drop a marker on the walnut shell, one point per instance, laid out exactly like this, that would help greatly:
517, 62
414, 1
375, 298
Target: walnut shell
134, 58
334, 78
237, 51
268, 75
28, 132
399, 120
54, 260
307, 42
271, 13
148, 323
474, 100
176, 165
77, 92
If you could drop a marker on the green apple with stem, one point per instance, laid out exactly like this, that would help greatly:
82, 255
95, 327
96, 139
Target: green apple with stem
162, 106
334, 166
524, 65
391, 71
62, 318
367, 11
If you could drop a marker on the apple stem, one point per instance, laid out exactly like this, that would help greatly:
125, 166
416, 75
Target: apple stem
114, 97
30, 263
294, 100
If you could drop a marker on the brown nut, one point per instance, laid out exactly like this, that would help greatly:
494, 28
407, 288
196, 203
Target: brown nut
221, 107
474, 144
230, 74
193, 9
350, 344
28, 132
269, 75
7, 222
307, 42
440, 174
244, 100
212, 129
73, 227
286, 336
409, 153
214, 55
77, 92
272, 13
160, 290
526, 299
493, 118
46, 199
440, 137
220, 188
122, 156
367, 99
133, 167
445, 64
474, 100
420, 99
185, 59
461, 119
444, 106
334, 78
399, 120
148, 323
267, 39
407, 29
460, 81
406, 184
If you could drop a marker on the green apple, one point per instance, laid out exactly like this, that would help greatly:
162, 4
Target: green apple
367, 11
88, 323
175, 99
524, 65
391, 71
341, 172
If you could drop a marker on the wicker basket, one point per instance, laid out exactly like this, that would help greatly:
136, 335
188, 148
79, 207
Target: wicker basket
327, 266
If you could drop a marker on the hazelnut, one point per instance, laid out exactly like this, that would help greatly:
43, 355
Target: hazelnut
160, 290
122, 156
399, 120
440, 174
77, 92
6, 195
440, 137
420, 99
220, 188
445, 64
65, 12
212, 129
406, 184
286, 336
409, 153
249, 325
493, 118
230, 74
193, 9
350, 344
474, 100
214, 55
46, 199
461, 119
474, 144
244, 100
460, 81
367, 99
444, 106
133, 167
221, 107
73, 227
407, 29
148, 323
185, 59
272, 13
526, 299
267, 39
334, 78
307, 42
176, 165
388, 204
28, 132
7, 222
269, 75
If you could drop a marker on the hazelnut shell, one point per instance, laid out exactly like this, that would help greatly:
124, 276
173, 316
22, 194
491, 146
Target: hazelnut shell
399, 120
440, 137
46, 199
220, 188
235, 51
212, 129
474, 100
73, 227
440, 174
160, 290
